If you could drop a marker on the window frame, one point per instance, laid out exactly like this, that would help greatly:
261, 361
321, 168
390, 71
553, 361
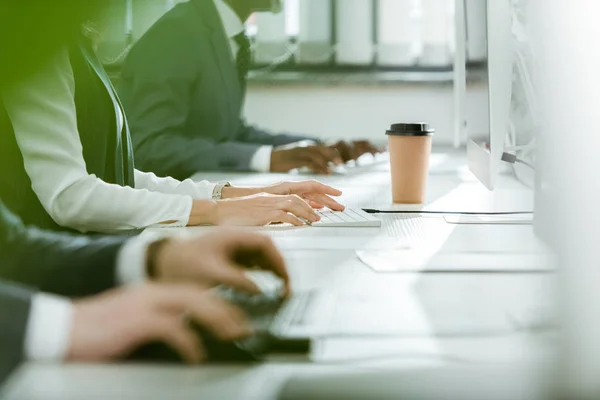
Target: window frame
291, 66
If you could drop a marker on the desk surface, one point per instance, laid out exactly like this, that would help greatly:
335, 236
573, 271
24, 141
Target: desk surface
335, 265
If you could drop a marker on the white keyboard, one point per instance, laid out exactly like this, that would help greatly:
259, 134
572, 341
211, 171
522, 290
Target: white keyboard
349, 218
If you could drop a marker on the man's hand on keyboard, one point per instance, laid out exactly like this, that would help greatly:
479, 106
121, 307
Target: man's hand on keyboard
353, 150
219, 259
315, 193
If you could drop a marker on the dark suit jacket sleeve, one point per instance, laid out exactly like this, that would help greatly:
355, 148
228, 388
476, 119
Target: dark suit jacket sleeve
61, 263
157, 97
15, 304
253, 134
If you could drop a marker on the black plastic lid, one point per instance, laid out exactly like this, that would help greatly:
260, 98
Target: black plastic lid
411, 129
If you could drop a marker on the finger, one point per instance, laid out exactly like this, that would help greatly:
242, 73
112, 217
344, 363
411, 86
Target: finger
320, 188
354, 150
330, 154
222, 319
319, 169
171, 297
291, 219
316, 205
235, 278
373, 149
316, 162
281, 216
326, 201
365, 147
359, 150
257, 250
344, 150
172, 330
300, 208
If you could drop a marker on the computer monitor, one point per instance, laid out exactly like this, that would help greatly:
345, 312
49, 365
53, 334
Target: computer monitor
484, 150
568, 177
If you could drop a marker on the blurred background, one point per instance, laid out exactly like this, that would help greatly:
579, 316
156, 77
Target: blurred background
341, 68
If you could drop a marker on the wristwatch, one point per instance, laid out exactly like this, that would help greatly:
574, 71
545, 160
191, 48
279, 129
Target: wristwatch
218, 190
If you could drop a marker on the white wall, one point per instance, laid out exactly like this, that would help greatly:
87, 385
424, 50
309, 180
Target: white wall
332, 112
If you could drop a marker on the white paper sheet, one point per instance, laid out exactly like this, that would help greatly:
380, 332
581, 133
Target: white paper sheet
400, 261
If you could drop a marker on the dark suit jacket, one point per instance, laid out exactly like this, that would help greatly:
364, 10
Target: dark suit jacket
183, 99
15, 303
70, 265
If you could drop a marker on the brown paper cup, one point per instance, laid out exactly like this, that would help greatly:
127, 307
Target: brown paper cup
409, 146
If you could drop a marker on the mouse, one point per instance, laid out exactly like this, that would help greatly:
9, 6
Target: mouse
248, 350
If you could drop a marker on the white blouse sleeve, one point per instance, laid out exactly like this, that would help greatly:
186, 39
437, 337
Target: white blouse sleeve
198, 190
43, 116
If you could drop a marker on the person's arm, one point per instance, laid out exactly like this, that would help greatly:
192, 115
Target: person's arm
35, 326
15, 304
42, 327
261, 159
253, 134
188, 187
43, 115
66, 264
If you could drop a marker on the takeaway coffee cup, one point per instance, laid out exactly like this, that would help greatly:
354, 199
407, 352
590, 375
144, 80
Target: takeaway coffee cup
409, 145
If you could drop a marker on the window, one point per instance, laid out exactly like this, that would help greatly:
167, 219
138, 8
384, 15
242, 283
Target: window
357, 34
363, 36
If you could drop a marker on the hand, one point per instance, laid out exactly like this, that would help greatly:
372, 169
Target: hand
315, 193
262, 209
260, 206
353, 150
315, 157
114, 324
219, 258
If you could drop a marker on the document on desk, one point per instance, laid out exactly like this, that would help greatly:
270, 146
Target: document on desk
401, 261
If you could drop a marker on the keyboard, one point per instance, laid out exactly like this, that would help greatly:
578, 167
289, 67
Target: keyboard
349, 218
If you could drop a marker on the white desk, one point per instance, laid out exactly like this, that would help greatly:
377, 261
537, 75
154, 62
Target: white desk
449, 189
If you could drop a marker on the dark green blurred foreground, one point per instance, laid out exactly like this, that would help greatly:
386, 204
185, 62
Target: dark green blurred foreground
32, 30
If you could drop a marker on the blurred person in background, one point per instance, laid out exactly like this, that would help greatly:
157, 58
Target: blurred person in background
183, 86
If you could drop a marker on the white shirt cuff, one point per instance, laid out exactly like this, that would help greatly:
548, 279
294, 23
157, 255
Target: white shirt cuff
48, 328
261, 160
131, 260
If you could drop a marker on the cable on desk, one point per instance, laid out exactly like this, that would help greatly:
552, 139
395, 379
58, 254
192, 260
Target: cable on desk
374, 211
513, 159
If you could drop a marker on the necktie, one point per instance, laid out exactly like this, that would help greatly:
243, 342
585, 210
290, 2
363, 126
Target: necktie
243, 58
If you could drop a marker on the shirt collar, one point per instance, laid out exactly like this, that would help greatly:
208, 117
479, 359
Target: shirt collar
231, 22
